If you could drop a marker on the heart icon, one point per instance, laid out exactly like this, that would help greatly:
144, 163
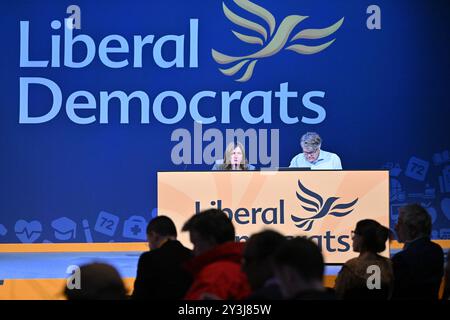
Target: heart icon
445, 206
28, 232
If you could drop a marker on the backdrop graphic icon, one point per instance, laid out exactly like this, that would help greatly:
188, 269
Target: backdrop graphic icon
87, 230
134, 228
444, 233
106, 223
431, 211
394, 170
444, 180
3, 230
396, 192
64, 228
445, 207
417, 168
154, 213
28, 232
435, 234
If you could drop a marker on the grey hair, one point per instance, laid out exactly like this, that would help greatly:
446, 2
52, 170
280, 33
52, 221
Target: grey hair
416, 221
311, 140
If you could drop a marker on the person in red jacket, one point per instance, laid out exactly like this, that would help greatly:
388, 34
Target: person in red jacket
216, 267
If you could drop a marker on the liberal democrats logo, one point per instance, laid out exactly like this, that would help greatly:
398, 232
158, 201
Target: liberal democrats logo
316, 205
271, 41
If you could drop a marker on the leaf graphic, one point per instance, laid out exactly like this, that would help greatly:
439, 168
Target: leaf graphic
248, 39
274, 46
258, 11
231, 71
309, 225
311, 194
223, 58
345, 205
340, 214
309, 209
301, 225
318, 33
248, 73
310, 202
244, 22
299, 48
297, 219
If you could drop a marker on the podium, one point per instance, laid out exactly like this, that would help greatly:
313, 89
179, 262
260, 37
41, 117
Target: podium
322, 205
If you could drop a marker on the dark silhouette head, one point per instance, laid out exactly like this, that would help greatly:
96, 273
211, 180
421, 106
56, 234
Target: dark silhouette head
96, 281
299, 266
159, 230
258, 254
370, 236
208, 229
413, 222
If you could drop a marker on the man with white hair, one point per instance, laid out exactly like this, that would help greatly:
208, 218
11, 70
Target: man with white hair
419, 267
313, 157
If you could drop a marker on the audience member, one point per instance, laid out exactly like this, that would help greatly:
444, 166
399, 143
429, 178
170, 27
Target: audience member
97, 281
159, 273
369, 239
258, 265
217, 266
299, 268
418, 268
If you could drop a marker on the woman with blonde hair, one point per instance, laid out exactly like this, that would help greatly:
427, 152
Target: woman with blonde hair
234, 158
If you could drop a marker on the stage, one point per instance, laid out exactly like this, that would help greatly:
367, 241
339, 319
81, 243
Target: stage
38, 271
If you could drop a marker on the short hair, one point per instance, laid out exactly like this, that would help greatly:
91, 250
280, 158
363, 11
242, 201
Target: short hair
373, 234
303, 255
163, 226
263, 245
416, 220
310, 140
212, 223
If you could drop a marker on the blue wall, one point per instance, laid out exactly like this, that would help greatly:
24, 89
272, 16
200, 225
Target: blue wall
386, 101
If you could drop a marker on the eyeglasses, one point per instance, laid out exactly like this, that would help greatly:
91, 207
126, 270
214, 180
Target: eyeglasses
310, 153
353, 234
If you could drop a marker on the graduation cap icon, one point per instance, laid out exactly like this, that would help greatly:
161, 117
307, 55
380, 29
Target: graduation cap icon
65, 228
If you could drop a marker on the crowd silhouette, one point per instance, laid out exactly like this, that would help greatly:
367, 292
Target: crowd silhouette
270, 266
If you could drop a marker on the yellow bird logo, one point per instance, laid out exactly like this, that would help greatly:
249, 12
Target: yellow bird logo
271, 40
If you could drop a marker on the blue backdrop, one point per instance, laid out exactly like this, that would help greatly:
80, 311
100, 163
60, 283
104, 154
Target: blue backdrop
385, 97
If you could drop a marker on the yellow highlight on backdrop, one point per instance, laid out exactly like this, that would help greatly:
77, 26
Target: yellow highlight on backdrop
322, 205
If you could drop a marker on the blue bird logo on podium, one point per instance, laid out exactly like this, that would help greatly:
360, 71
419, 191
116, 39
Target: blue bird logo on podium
319, 207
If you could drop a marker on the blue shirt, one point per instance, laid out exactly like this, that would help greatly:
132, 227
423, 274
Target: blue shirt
325, 161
